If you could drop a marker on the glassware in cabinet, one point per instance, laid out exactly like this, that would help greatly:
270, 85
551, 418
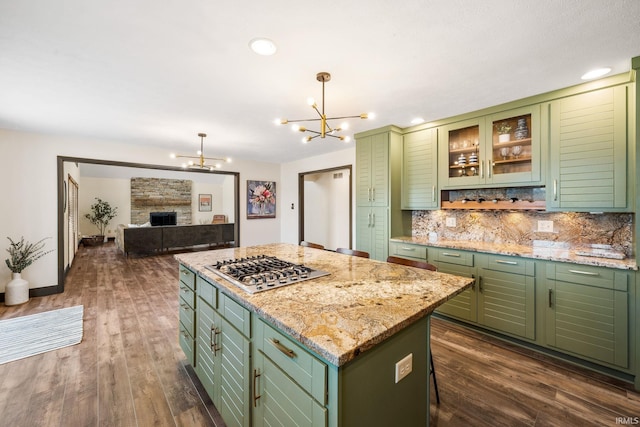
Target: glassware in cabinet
511, 145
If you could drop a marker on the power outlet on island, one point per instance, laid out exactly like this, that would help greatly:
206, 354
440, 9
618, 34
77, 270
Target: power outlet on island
545, 226
450, 221
404, 367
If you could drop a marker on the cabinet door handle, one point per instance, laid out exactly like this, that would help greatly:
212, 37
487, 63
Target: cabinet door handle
480, 283
473, 284
369, 194
373, 217
584, 273
373, 193
433, 193
550, 298
489, 168
286, 351
213, 341
481, 169
555, 190
369, 218
450, 254
500, 261
256, 396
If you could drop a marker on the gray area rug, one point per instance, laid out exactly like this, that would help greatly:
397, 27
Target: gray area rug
26, 336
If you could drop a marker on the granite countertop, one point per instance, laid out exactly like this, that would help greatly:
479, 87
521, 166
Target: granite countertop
544, 250
360, 304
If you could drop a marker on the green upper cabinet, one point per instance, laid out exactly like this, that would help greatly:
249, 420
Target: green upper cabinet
497, 150
372, 165
420, 169
588, 164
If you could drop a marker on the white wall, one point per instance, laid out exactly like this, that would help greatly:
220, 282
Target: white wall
115, 191
29, 197
289, 187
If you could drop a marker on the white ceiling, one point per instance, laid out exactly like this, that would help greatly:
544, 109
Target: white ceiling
158, 72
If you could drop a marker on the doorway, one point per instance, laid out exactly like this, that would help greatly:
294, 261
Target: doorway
325, 207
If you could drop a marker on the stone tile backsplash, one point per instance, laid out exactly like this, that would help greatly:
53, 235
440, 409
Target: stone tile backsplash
521, 227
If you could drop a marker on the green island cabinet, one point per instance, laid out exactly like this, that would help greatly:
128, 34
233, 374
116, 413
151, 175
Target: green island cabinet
378, 156
257, 375
187, 312
590, 162
475, 153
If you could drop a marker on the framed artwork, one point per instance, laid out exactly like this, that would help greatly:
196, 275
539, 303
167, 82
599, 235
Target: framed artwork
261, 199
204, 202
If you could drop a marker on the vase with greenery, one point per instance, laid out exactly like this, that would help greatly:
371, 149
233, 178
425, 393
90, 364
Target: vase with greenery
101, 214
21, 255
504, 130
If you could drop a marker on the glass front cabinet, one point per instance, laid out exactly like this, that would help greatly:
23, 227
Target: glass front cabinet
496, 150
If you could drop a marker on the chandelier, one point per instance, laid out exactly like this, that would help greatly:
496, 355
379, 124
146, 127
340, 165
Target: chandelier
200, 162
325, 127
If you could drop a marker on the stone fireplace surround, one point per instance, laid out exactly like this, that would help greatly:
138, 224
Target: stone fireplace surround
161, 195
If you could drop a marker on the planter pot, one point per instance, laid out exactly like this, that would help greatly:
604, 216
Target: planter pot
93, 240
17, 291
505, 137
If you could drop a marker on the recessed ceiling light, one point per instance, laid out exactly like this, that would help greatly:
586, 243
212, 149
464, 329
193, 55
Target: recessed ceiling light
594, 74
263, 46
417, 121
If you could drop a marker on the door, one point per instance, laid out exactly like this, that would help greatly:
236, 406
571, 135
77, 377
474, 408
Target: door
325, 207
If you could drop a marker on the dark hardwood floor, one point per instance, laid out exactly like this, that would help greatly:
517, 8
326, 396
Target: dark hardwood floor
130, 371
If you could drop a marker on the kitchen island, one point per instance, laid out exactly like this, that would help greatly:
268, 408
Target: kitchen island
318, 352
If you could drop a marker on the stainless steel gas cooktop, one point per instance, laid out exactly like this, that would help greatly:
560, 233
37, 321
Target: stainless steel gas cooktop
261, 272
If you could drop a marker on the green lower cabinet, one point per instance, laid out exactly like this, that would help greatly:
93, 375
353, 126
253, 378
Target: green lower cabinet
223, 359
463, 306
588, 312
279, 401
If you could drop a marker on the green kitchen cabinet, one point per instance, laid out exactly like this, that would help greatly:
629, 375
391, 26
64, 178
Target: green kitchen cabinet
498, 150
587, 313
372, 231
420, 169
187, 313
372, 165
290, 384
588, 161
408, 251
378, 167
507, 295
503, 296
223, 353
463, 306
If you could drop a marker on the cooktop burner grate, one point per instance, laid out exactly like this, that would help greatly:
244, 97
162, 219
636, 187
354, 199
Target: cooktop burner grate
261, 272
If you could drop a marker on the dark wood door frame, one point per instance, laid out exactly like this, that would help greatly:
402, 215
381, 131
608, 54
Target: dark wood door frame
301, 176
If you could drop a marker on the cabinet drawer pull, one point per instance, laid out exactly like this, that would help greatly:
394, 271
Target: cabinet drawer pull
408, 249
286, 351
450, 254
584, 273
184, 271
499, 261
256, 396
184, 289
184, 305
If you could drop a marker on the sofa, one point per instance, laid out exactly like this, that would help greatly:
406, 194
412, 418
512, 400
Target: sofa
147, 239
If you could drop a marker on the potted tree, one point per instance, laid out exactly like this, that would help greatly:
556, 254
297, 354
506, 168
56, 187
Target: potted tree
21, 255
101, 214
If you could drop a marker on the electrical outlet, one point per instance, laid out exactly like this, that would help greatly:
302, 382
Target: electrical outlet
450, 221
545, 226
404, 367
